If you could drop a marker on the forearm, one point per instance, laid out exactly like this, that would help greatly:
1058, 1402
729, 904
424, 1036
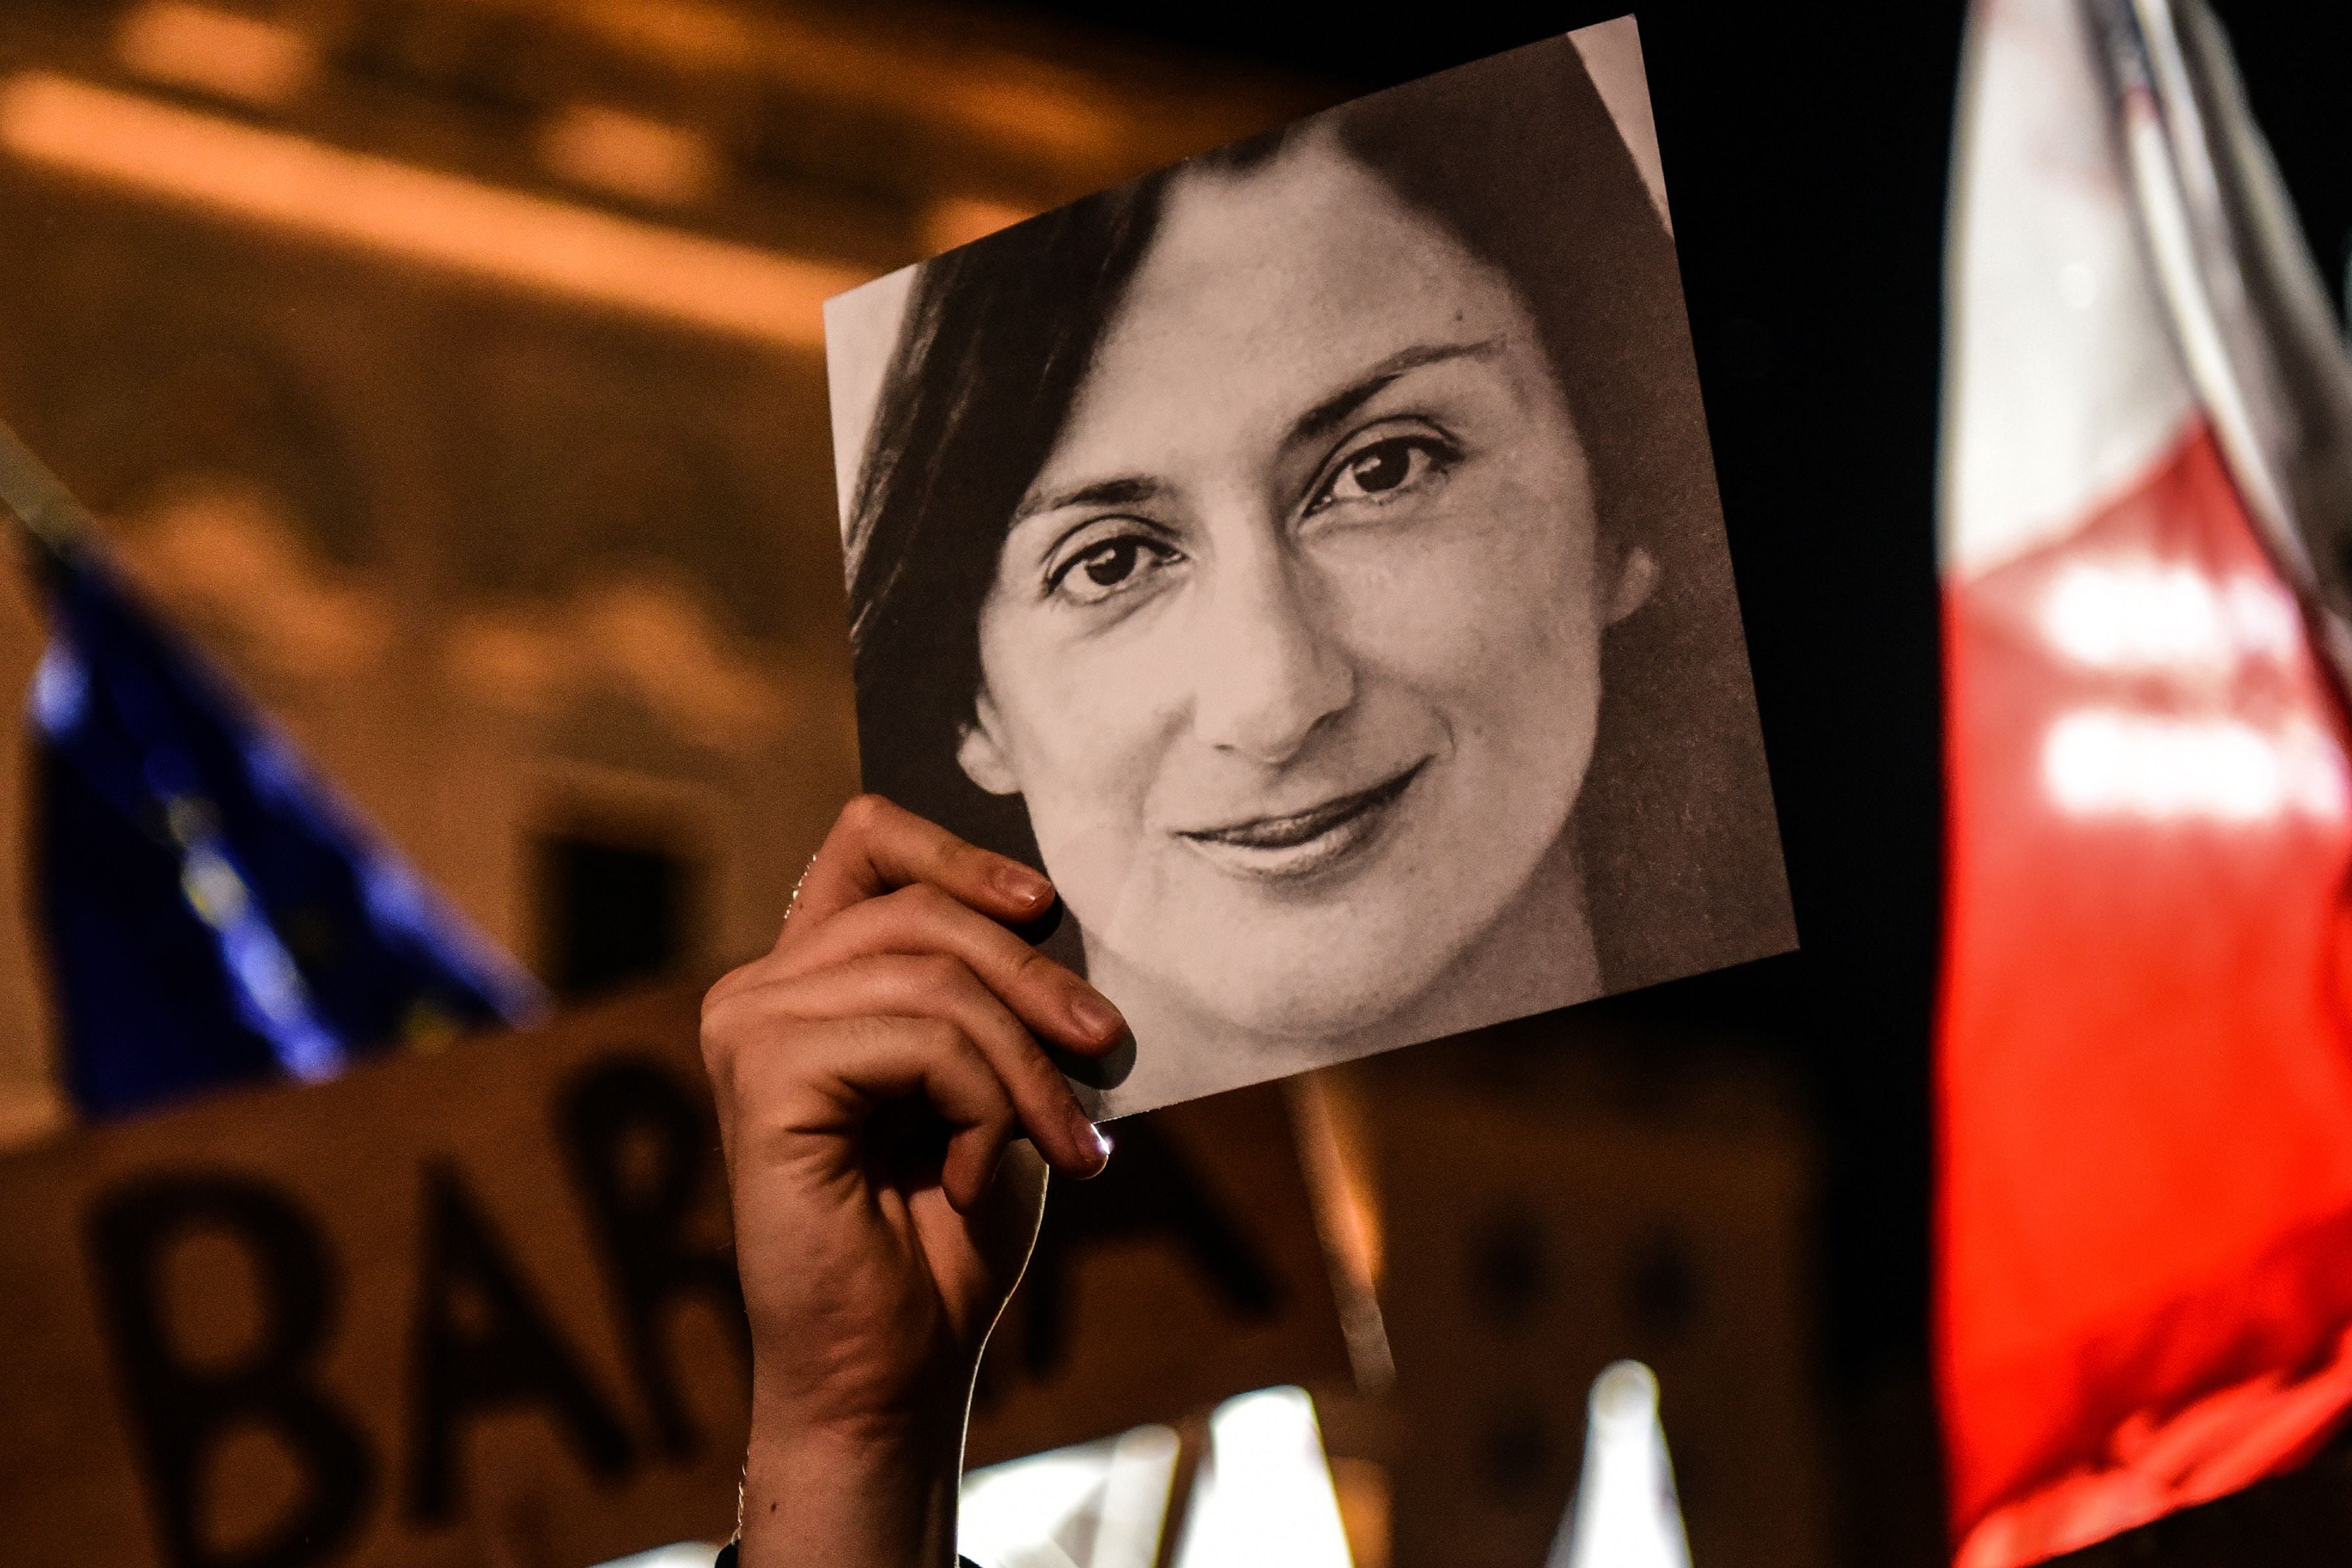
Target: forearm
877, 1497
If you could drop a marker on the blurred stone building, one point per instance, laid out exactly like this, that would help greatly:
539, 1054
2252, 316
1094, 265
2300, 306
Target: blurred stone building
451, 372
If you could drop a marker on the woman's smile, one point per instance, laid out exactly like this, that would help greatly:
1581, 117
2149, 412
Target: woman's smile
1302, 844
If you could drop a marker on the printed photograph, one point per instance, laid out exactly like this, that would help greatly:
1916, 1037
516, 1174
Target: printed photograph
1309, 556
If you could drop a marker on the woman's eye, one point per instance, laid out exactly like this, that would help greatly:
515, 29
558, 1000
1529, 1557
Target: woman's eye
1380, 469
1108, 566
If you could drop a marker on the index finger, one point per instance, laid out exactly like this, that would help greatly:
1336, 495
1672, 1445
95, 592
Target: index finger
876, 847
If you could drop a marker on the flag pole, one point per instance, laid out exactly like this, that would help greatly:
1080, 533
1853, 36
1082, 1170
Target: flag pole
56, 523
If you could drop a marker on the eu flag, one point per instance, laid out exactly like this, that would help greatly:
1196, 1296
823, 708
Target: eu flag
214, 915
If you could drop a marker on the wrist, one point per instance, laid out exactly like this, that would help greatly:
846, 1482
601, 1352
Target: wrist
874, 1492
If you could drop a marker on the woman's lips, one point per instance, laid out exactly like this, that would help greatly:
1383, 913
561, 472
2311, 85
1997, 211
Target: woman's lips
1302, 842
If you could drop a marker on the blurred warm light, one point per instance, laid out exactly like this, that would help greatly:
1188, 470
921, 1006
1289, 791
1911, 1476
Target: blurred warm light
215, 51
29, 1110
1334, 1142
692, 33
221, 552
649, 639
613, 150
417, 215
960, 220
1625, 1514
1366, 1504
1100, 1505
2145, 616
1006, 100
1055, 123
2197, 636
1264, 1497
2113, 762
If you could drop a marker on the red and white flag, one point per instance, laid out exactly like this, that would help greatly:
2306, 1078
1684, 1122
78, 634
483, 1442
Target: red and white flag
2144, 1080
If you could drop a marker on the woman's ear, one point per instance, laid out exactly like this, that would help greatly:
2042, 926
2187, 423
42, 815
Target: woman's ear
981, 754
1637, 579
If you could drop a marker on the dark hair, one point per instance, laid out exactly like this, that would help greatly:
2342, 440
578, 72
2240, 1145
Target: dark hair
1519, 158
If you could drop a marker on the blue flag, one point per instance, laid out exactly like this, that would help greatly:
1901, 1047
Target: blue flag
214, 915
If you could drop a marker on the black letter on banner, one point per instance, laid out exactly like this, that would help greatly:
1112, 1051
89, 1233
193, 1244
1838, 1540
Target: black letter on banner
182, 1410
483, 1343
641, 1215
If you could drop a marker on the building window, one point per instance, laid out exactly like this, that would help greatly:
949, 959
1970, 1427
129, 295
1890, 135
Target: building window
611, 912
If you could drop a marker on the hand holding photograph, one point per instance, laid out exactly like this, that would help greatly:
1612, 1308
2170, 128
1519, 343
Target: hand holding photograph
1309, 556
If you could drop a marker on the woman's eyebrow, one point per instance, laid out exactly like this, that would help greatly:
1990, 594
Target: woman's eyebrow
1103, 492
1318, 421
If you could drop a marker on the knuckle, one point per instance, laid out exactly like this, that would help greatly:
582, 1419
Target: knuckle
869, 1029
864, 814
718, 1058
722, 992
947, 1042
740, 1023
718, 1027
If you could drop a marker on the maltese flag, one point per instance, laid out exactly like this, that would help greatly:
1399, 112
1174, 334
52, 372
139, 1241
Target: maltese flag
2144, 1295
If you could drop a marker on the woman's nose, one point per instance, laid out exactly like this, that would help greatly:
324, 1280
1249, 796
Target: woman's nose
1266, 672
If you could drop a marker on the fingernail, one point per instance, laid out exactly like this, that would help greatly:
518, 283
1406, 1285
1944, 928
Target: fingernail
1090, 1139
1022, 886
1094, 1017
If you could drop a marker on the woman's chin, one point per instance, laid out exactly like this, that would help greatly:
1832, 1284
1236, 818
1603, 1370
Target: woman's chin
1349, 977
1332, 1014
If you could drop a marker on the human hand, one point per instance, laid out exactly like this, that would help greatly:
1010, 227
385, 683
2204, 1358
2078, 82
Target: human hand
872, 1073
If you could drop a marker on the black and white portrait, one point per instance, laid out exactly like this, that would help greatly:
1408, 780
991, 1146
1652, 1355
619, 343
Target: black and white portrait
1309, 557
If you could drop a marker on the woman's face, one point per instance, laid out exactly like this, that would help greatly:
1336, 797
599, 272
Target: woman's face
1293, 647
